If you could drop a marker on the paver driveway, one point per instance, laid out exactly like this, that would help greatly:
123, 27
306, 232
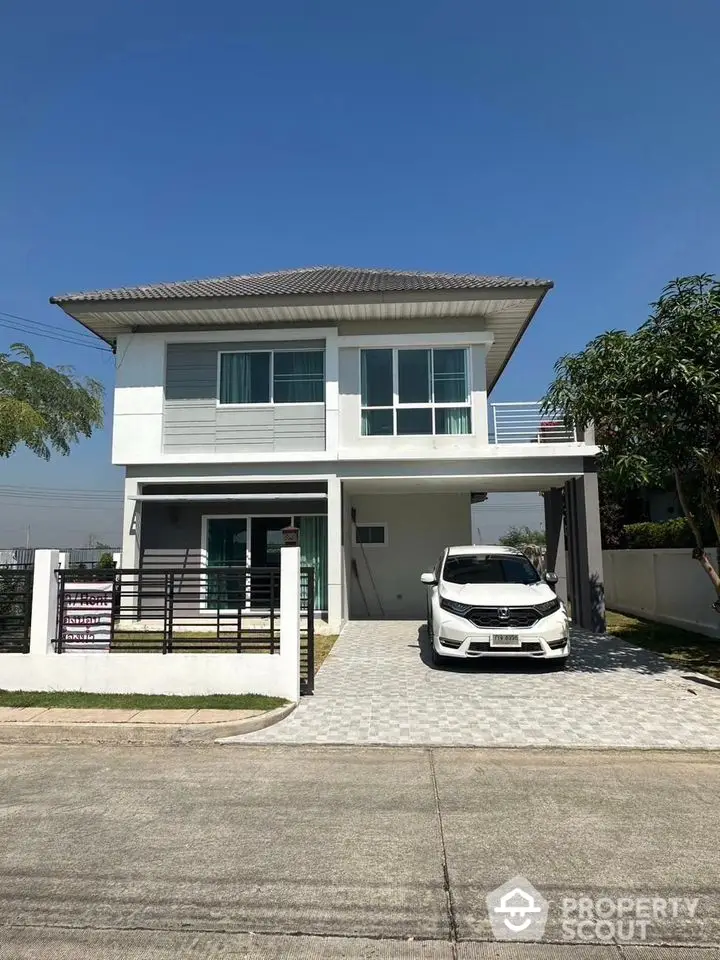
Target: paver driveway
377, 686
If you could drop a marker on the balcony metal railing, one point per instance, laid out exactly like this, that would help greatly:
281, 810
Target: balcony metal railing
524, 423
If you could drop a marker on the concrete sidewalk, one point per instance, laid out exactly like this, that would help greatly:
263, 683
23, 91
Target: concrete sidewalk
87, 726
297, 852
53, 715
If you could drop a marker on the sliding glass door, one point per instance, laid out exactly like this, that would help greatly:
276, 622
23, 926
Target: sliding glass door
255, 542
227, 546
265, 544
313, 553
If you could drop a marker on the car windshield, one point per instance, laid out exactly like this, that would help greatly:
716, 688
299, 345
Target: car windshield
490, 569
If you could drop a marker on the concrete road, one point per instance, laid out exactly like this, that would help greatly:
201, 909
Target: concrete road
269, 852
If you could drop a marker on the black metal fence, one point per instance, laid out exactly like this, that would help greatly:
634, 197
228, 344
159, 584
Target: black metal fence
15, 609
159, 610
83, 557
307, 630
171, 610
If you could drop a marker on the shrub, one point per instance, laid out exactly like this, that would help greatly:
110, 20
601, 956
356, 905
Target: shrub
671, 533
106, 562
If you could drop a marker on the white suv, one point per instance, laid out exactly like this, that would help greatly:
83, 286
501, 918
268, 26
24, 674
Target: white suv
492, 602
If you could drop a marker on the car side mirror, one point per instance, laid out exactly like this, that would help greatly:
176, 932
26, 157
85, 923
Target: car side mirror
551, 578
428, 579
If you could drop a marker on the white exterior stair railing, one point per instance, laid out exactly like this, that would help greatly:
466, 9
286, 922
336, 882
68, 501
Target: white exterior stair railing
524, 423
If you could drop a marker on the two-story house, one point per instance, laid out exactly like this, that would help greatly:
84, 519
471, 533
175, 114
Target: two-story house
351, 403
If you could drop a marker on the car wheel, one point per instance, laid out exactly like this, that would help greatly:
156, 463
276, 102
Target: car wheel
558, 664
437, 659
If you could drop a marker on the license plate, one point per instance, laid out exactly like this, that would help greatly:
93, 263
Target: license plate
505, 640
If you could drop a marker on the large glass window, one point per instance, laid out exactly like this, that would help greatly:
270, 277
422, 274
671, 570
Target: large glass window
414, 392
279, 376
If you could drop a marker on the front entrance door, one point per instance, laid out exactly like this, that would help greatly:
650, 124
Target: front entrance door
227, 546
265, 543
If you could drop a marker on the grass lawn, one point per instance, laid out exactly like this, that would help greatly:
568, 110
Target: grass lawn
138, 701
323, 646
683, 649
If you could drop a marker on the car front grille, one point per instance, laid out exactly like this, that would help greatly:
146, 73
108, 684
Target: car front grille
483, 646
495, 616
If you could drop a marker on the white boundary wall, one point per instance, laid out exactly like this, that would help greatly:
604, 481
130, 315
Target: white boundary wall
667, 586
275, 675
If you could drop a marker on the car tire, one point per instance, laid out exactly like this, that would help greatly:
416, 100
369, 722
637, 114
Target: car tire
437, 659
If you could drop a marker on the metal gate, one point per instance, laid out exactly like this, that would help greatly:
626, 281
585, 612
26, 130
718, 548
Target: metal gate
15, 609
307, 630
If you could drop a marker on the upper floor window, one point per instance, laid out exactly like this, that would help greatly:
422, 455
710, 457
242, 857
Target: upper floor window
414, 392
272, 376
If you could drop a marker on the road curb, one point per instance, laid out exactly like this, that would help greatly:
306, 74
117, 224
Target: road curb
258, 723
137, 734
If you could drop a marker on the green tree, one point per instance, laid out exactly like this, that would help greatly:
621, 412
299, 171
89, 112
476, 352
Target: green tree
521, 537
45, 408
654, 398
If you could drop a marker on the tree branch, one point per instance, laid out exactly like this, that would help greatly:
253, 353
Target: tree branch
699, 553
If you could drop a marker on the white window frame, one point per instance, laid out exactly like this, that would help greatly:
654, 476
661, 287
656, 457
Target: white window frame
373, 546
431, 405
271, 402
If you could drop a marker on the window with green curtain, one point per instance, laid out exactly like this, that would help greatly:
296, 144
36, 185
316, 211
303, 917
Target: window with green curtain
449, 376
414, 392
452, 420
377, 423
313, 553
376, 393
413, 376
376, 375
245, 377
414, 421
298, 376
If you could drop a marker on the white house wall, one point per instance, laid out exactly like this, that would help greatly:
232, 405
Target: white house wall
384, 581
667, 586
154, 425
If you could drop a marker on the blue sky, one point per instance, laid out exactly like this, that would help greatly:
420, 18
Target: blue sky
159, 141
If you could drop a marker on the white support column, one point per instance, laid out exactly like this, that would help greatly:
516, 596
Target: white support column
130, 557
335, 554
290, 620
332, 394
131, 526
63, 561
44, 602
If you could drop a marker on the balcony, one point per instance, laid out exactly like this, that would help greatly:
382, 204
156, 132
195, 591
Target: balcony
524, 423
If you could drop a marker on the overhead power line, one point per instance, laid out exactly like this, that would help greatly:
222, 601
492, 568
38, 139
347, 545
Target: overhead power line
46, 332
40, 495
52, 328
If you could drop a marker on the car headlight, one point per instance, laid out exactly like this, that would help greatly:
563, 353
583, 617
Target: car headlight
547, 608
452, 606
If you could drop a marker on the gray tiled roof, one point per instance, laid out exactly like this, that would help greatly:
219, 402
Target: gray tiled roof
305, 281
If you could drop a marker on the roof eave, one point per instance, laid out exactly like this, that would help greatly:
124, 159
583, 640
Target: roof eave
308, 299
518, 338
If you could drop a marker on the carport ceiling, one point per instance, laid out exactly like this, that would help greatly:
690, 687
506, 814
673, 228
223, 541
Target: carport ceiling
468, 485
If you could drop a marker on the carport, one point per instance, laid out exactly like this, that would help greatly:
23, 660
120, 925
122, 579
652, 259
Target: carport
398, 517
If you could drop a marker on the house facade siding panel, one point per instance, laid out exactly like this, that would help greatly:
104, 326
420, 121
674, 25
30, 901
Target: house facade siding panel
193, 422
